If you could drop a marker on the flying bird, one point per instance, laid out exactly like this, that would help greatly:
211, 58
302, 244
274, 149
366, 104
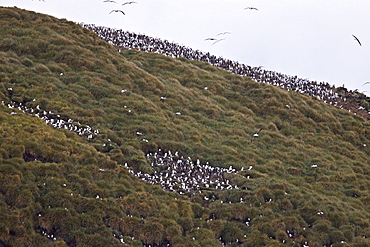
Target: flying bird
128, 3
368, 82
251, 8
109, 1
214, 39
255, 135
357, 40
223, 33
217, 40
117, 10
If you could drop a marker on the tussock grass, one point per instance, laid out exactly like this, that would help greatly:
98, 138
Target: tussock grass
309, 157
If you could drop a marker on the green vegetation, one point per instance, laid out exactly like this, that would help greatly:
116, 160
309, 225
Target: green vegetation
311, 170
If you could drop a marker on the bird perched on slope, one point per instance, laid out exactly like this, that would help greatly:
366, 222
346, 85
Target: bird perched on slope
178, 113
255, 135
117, 10
358, 41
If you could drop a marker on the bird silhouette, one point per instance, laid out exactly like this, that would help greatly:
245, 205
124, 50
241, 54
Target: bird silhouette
224, 33
255, 135
357, 40
117, 10
214, 39
128, 3
217, 40
109, 1
251, 8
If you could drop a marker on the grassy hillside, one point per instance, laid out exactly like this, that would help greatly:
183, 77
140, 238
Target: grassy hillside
303, 181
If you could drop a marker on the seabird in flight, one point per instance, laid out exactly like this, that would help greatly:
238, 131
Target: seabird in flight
223, 33
214, 39
117, 10
109, 1
255, 135
252, 8
218, 40
128, 3
357, 40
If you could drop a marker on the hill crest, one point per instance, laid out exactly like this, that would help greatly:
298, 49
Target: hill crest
303, 181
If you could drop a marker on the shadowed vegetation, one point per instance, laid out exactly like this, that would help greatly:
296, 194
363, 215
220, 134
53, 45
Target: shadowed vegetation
305, 178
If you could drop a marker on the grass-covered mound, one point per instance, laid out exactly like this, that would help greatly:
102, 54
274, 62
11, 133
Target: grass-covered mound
308, 185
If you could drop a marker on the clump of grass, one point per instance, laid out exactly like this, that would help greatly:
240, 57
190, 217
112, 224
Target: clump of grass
308, 157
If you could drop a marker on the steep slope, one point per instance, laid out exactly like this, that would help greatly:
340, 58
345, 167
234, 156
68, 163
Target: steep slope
303, 181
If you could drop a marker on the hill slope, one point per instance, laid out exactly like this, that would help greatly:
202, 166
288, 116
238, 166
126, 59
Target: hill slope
79, 120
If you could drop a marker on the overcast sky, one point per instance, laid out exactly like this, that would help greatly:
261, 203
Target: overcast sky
308, 38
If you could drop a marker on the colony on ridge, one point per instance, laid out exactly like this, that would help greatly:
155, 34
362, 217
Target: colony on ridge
352, 101
302, 186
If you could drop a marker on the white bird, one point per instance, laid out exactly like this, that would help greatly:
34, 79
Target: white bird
178, 113
255, 135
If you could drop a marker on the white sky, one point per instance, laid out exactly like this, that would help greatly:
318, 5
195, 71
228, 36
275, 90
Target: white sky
309, 38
